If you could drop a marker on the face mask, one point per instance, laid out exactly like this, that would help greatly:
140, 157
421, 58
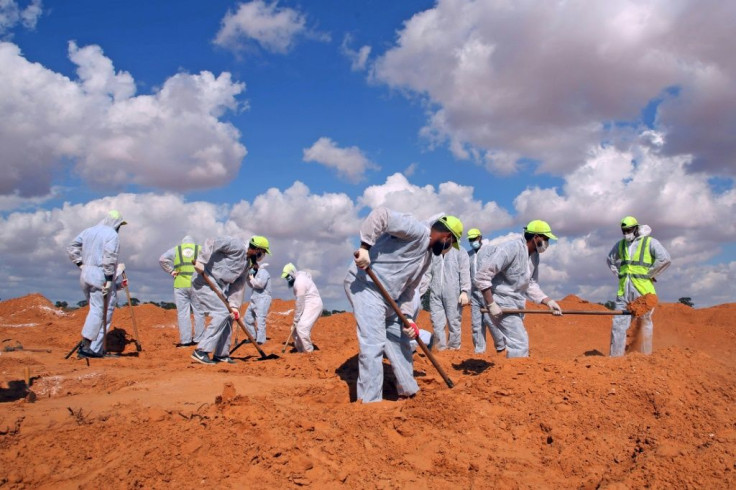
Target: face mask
629, 237
475, 244
441, 247
541, 246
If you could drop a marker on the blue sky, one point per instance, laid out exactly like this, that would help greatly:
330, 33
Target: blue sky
498, 112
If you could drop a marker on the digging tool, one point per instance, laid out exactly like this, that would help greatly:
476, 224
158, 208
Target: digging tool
19, 347
105, 299
288, 338
565, 312
420, 342
132, 315
222, 297
79, 344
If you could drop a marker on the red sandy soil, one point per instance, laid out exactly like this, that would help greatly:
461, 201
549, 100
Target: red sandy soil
568, 416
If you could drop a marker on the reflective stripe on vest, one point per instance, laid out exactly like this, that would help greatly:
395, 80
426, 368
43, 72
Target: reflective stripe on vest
186, 253
635, 268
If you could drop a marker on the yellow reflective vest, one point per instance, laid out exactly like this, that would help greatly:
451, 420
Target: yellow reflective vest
185, 255
635, 268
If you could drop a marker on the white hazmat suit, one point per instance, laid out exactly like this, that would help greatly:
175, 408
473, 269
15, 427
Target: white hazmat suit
226, 263
399, 256
512, 273
621, 323
95, 250
482, 321
449, 277
260, 302
307, 311
184, 297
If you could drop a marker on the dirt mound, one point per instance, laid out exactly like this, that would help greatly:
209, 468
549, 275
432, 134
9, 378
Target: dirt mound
569, 416
643, 304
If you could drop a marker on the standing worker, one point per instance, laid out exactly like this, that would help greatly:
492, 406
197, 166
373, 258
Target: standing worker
95, 251
308, 307
479, 251
226, 260
636, 260
509, 275
449, 291
259, 280
179, 263
398, 248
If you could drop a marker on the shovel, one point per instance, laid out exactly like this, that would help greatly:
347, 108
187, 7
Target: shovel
564, 312
403, 319
132, 316
222, 297
288, 339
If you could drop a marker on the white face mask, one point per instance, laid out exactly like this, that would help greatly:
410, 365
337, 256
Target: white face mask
629, 237
475, 244
541, 247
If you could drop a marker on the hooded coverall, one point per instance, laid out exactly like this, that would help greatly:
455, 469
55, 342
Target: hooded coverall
400, 257
482, 321
260, 302
307, 311
449, 276
512, 273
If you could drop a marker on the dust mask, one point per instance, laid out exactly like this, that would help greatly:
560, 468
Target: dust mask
440, 247
629, 237
541, 246
475, 245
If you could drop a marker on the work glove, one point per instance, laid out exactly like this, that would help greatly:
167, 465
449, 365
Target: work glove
199, 267
106, 288
80, 265
362, 258
556, 310
124, 283
234, 313
495, 311
411, 331
463, 299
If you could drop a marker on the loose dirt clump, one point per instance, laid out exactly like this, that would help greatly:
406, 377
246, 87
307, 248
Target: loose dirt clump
643, 304
568, 416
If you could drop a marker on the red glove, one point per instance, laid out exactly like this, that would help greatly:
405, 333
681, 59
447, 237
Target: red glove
411, 331
235, 314
124, 283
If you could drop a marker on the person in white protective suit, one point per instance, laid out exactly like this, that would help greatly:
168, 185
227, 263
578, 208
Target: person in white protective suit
226, 261
398, 248
479, 250
308, 307
449, 291
95, 251
510, 275
636, 260
259, 280
178, 262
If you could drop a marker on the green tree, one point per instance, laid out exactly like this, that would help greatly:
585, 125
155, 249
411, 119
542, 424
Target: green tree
135, 301
62, 304
82, 303
611, 305
687, 301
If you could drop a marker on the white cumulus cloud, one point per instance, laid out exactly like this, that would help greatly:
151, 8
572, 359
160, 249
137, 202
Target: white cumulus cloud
509, 81
173, 138
273, 28
13, 13
351, 164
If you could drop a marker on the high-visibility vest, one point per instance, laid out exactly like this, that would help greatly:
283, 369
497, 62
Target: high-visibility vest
186, 253
635, 268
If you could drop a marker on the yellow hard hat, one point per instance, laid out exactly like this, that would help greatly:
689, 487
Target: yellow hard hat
629, 222
115, 214
260, 242
289, 269
455, 226
539, 227
473, 233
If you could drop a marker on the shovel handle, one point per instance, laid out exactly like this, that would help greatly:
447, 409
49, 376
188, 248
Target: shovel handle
564, 312
132, 316
406, 323
291, 332
222, 297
